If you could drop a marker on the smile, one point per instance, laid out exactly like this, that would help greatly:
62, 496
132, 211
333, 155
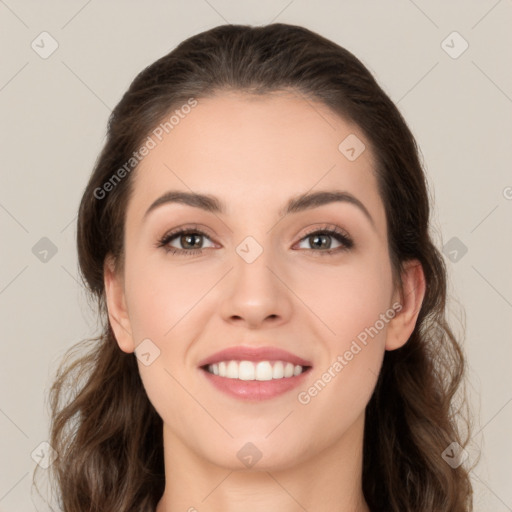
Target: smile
249, 370
250, 381
254, 373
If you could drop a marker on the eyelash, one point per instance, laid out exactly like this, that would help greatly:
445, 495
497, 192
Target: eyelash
333, 231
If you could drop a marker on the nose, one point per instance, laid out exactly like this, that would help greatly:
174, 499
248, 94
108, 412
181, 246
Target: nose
256, 291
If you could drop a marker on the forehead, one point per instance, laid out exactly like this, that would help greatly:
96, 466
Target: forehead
256, 151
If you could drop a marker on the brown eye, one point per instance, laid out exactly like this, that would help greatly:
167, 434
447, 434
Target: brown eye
189, 241
323, 240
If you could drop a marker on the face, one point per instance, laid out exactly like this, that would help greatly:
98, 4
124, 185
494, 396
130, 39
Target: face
315, 281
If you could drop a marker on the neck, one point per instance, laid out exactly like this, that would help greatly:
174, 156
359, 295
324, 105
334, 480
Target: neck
329, 481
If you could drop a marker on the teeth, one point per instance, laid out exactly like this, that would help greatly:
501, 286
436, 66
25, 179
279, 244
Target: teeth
262, 370
232, 370
278, 370
246, 370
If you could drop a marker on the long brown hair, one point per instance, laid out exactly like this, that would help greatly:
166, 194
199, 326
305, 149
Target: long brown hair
106, 432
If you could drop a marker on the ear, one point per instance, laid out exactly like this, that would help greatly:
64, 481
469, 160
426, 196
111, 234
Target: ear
410, 298
116, 305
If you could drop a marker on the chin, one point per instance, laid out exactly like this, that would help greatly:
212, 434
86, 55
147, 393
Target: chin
253, 453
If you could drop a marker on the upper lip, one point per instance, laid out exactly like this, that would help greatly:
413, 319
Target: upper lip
246, 353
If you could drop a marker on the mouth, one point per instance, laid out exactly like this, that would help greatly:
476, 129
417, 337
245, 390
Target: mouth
255, 371
250, 373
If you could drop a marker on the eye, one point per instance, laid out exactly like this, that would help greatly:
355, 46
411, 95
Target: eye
190, 240
322, 239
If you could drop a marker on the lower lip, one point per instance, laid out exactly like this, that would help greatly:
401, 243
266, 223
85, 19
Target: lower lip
255, 389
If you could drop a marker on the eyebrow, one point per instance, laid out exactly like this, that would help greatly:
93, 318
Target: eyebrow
296, 204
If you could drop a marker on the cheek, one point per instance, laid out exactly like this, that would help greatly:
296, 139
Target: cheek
161, 296
160, 301
355, 309
347, 299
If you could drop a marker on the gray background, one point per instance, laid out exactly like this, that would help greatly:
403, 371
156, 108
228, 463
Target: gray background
54, 112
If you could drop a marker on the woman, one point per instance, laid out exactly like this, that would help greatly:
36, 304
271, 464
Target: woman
256, 234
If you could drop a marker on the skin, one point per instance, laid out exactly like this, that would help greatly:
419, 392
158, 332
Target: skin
254, 153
